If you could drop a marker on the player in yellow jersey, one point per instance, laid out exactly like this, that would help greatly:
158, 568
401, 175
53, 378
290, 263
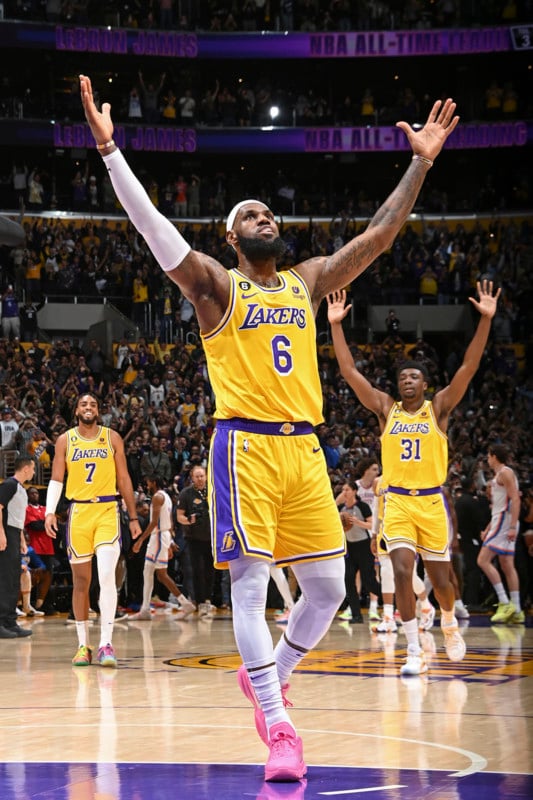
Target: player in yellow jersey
93, 458
269, 491
414, 452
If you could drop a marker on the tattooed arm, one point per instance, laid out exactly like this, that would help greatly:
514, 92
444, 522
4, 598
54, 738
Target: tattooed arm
327, 274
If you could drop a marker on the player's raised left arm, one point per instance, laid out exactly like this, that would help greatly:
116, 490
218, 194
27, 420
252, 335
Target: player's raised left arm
446, 400
324, 275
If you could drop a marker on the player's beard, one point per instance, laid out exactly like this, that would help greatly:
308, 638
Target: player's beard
260, 249
87, 420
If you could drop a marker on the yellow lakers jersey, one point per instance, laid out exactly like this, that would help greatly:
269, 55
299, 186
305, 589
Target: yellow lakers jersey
90, 465
262, 357
414, 451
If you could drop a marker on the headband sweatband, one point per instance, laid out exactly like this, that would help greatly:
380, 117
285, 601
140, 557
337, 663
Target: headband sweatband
235, 210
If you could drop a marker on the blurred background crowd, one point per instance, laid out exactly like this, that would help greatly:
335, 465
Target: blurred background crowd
153, 384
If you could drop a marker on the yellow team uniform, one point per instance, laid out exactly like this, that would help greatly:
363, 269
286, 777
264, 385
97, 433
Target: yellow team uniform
93, 518
414, 454
264, 437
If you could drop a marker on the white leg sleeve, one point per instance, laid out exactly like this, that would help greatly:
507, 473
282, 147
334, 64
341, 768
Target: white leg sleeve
387, 576
323, 590
418, 584
106, 560
249, 583
164, 240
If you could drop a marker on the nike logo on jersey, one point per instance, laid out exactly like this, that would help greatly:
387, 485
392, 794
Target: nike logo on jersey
316, 449
247, 296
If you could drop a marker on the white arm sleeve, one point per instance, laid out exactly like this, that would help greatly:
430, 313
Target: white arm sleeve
164, 240
53, 493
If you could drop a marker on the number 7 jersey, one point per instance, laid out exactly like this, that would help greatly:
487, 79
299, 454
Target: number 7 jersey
414, 450
90, 463
262, 356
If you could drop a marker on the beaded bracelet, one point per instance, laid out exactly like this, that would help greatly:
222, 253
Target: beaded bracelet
423, 159
110, 143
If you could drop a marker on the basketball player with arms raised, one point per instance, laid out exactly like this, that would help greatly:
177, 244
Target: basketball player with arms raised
269, 492
414, 456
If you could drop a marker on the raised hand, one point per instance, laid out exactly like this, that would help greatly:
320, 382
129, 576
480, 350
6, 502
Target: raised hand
99, 121
487, 303
336, 308
429, 141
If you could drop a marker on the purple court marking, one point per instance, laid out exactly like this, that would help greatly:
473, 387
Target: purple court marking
63, 781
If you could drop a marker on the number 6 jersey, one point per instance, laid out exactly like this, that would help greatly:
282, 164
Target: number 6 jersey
252, 354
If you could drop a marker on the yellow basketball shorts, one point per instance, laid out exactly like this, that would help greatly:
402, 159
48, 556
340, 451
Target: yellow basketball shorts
270, 495
418, 522
89, 526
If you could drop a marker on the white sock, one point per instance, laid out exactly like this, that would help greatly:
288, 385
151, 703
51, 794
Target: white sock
515, 600
82, 629
501, 593
388, 610
410, 628
447, 618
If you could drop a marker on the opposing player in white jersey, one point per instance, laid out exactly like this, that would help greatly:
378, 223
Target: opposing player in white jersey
159, 529
499, 539
368, 469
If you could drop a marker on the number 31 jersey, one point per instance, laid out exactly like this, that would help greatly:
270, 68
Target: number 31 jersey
414, 450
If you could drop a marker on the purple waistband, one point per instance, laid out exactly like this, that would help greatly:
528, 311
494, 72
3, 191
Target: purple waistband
104, 498
415, 492
268, 428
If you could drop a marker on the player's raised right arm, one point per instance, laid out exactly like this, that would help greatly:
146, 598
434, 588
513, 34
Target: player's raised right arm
198, 276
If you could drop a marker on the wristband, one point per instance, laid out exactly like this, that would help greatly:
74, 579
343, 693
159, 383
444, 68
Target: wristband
110, 143
134, 519
423, 159
53, 494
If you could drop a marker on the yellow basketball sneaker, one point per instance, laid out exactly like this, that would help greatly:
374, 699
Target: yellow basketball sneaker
83, 657
504, 612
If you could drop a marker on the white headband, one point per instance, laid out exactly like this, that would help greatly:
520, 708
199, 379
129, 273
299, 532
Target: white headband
234, 211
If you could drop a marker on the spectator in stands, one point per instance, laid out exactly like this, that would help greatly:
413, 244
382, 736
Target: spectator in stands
9, 429
134, 105
392, 323
150, 96
156, 462
10, 314
28, 319
187, 108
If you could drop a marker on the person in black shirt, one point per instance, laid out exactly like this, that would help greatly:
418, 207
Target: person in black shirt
193, 515
13, 504
471, 520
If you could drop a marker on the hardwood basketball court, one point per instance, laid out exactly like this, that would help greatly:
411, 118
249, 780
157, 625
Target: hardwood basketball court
170, 722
